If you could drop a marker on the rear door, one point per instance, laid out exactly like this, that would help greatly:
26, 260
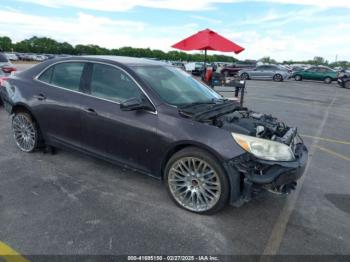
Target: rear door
269, 72
310, 73
56, 102
258, 72
122, 136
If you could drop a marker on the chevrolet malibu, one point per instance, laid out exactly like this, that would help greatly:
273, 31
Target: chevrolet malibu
157, 119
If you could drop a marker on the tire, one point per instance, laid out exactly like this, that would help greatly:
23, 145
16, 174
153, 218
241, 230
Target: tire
347, 84
196, 181
25, 132
298, 78
277, 78
327, 80
244, 76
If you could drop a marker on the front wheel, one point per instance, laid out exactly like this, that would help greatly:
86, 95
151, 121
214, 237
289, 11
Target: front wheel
298, 78
328, 80
25, 132
244, 76
196, 181
277, 78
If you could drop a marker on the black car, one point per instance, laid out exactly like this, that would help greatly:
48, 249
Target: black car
157, 119
344, 81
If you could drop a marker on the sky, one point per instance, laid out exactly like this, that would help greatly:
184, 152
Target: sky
281, 29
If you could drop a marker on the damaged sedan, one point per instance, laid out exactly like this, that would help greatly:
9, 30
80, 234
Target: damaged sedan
158, 120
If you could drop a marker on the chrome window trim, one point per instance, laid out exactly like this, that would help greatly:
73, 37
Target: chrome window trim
36, 78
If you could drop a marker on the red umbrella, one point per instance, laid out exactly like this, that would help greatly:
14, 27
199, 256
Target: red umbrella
208, 40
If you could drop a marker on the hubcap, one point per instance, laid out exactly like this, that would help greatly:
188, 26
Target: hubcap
194, 184
24, 133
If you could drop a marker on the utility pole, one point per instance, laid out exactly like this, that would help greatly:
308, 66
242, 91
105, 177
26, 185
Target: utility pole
336, 57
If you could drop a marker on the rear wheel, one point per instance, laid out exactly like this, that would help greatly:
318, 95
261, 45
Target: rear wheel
298, 78
277, 78
347, 84
196, 181
244, 76
328, 80
25, 132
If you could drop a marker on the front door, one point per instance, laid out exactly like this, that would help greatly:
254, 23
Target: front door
123, 136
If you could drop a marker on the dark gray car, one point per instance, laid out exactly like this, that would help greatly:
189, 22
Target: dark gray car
156, 119
273, 72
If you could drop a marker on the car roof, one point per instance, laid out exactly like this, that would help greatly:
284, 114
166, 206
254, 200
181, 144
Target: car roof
127, 60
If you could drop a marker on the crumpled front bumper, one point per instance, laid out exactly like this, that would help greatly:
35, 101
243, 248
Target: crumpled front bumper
256, 174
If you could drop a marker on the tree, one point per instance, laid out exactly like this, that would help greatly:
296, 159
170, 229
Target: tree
5, 43
268, 60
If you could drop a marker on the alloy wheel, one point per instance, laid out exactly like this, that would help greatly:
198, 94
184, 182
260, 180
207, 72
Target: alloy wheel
277, 78
194, 184
347, 84
244, 76
24, 133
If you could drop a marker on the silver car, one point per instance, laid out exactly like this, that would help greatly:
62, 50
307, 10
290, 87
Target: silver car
6, 66
274, 72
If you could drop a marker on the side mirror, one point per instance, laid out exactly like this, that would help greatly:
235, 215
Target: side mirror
135, 104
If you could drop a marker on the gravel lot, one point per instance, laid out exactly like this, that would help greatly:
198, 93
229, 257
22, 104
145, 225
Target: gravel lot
69, 203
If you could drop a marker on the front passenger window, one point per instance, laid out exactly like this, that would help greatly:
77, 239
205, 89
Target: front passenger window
112, 83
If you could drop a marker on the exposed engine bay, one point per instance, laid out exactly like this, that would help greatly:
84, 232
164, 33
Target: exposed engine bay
278, 177
234, 118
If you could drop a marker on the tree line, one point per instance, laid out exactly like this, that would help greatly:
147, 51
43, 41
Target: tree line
45, 45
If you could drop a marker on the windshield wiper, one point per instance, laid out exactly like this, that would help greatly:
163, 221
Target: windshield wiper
197, 103
211, 102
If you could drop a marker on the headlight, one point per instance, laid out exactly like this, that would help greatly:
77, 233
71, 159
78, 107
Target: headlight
264, 149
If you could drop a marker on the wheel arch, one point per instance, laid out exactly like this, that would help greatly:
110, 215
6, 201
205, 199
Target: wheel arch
173, 149
21, 107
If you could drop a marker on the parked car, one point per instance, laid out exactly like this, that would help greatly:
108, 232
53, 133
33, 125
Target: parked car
12, 56
157, 119
274, 72
40, 58
232, 70
196, 68
320, 73
180, 65
344, 81
343, 73
5, 65
2, 78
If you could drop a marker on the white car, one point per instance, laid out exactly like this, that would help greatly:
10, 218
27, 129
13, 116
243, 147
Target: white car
12, 56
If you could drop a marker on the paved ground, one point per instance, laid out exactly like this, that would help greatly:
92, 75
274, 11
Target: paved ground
69, 203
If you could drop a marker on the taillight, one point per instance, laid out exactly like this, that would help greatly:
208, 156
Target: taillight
8, 69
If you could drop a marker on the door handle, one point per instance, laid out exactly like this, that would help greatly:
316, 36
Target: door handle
90, 111
40, 97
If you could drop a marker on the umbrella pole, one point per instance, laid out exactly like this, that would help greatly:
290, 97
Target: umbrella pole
205, 58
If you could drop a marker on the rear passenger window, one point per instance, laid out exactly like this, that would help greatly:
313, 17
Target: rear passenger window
65, 75
46, 76
111, 83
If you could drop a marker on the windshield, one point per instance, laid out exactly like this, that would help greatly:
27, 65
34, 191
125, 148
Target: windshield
175, 86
